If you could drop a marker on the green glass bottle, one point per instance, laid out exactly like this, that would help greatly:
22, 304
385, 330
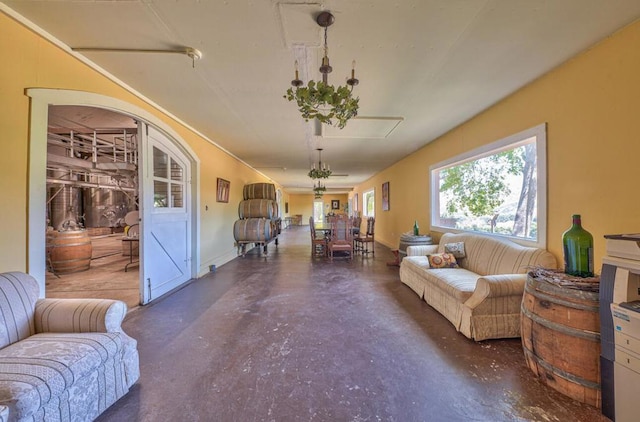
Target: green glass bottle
416, 230
578, 250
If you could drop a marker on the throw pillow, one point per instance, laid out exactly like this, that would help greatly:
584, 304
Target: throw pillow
442, 260
455, 249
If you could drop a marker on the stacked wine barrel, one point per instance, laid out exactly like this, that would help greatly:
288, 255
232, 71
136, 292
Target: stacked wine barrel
259, 221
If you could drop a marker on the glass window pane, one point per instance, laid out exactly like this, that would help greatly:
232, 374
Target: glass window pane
369, 204
492, 194
160, 194
318, 211
176, 171
494, 189
176, 195
160, 160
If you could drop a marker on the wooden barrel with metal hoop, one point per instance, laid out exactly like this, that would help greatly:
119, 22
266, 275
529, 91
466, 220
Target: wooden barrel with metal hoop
253, 230
407, 240
258, 208
561, 338
259, 191
69, 251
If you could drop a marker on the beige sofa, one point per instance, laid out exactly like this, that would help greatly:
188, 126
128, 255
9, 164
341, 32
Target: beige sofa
60, 359
481, 298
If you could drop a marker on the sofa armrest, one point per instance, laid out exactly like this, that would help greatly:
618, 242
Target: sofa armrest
423, 250
79, 315
492, 286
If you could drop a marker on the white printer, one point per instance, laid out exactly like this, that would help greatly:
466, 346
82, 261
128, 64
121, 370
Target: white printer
620, 297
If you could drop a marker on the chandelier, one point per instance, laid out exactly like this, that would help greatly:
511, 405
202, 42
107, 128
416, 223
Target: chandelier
319, 100
323, 171
318, 190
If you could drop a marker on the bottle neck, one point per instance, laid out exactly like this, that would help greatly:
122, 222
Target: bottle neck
577, 221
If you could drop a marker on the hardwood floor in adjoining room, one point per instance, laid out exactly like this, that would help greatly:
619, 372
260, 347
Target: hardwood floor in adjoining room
296, 338
106, 277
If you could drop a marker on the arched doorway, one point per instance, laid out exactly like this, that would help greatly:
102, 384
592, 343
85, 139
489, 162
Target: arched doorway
165, 139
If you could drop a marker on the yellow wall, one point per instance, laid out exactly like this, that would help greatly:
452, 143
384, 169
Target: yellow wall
591, 105
303, 204
31, 61
328, 198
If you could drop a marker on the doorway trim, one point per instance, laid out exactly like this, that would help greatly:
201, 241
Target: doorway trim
41, 99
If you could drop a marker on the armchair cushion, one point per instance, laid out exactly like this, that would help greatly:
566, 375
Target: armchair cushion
79, 315
19, 294
41, 368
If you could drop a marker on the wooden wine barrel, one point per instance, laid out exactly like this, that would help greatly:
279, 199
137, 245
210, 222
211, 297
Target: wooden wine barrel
276, 226
69, 251
561, 338
258, 208
252, 230
259, 191
407, 240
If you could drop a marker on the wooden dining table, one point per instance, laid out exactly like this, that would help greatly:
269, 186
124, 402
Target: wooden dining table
324, 228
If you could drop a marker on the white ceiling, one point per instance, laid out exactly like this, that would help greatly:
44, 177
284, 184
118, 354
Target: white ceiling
425, 66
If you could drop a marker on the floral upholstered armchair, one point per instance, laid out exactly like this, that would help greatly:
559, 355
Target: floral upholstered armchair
60, 359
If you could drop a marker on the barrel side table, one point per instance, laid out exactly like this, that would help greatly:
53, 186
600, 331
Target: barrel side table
406, 240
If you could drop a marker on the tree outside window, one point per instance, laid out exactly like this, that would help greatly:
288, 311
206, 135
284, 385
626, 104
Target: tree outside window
495, 190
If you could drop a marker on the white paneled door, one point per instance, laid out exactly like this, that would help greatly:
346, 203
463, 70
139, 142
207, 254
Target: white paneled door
166, 216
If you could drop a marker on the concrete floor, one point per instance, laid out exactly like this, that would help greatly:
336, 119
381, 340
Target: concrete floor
291, 338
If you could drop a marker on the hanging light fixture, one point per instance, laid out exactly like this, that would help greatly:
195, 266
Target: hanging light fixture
319, 100
323, 171
318, 190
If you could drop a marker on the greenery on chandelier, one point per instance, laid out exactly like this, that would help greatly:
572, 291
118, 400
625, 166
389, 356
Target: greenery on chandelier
319, 190
325, 102
322, 173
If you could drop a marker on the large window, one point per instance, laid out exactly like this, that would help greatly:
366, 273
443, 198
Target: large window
498, 189
368, 203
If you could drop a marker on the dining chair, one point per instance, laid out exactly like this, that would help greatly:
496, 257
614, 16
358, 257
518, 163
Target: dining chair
362, 241
341, 236
357, 222
318, 242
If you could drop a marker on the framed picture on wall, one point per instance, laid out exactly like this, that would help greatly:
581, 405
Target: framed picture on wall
385, 196
222, 194
286, 208
335, 204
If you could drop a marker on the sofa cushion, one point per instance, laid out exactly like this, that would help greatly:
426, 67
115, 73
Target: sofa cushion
40, 368
457, 282
456, 249
486, 255
442, 260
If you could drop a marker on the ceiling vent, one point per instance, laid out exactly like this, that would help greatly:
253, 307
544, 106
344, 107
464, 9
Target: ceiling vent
364, 128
